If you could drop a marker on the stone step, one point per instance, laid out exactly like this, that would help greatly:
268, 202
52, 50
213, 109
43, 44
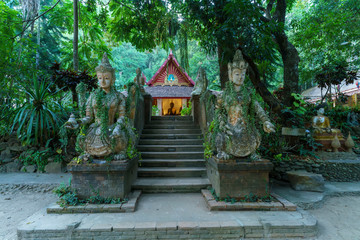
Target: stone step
174, 172
172, 163
170, 185
171, 136
171, 142
170, 148
171, 131
172, 155
171, 126
172, 123
171, 118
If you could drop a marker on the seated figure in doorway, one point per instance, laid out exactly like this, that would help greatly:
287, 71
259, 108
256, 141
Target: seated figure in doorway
171, 110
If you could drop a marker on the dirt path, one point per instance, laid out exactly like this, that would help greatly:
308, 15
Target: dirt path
339, 218
18, 204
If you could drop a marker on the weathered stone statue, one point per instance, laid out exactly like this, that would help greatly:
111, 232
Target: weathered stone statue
238, 136
109, 131
140, 80
201, 82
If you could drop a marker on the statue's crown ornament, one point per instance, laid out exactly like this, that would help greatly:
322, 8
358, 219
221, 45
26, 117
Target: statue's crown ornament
105, 65
239, 61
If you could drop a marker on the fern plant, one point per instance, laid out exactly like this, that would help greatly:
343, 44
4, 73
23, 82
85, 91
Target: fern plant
36, 121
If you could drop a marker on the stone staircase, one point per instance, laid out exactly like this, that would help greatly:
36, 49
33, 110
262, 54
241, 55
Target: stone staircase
172, 156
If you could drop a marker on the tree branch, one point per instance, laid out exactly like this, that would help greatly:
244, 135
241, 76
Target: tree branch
31, 21
131, 9
269, 8
260, 87
280, 10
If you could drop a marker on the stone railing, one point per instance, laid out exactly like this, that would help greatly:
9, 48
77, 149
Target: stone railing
203, 109
143, 112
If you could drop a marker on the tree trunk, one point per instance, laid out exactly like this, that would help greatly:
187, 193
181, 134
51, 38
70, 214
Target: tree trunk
289, 54
224, 76
76, 37
38, 39
290, 58
226, 54
260, 87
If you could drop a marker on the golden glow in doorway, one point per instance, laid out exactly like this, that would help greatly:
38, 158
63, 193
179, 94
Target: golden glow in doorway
167, 104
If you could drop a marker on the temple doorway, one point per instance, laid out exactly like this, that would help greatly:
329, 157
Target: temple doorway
171, 106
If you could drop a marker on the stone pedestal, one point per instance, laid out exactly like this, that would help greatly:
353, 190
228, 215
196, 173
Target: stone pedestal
239, 179
109, 179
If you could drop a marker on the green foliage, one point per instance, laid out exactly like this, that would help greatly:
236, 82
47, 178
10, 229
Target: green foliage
68, 197
36, 120
325, 32
199, 58
126, 59
208, 153
154, 110
247, 198
131, 150
146, 24
186, 110
38, 158
92, 23
9, 26
221, 26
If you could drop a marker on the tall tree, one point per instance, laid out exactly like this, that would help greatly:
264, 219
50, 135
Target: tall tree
325, 33
38, 38
76, 37
289, 54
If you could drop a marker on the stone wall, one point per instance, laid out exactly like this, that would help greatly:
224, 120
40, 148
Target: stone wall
10, 148
344, 168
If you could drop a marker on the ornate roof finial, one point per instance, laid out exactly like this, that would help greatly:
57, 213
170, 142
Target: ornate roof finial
239, 61
105, 65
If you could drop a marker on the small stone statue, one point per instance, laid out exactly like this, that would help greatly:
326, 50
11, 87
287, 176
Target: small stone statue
201, 82
238, 136
109, 131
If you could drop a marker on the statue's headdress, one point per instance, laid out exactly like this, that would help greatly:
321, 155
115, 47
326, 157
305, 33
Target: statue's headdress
105, 65
239, 61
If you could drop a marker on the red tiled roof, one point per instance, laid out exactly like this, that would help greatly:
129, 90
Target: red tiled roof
171, 66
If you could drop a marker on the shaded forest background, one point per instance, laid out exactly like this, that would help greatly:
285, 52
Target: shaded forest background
50, 46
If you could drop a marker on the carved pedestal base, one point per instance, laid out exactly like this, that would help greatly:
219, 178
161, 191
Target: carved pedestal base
109, 179
326, 139
239, 179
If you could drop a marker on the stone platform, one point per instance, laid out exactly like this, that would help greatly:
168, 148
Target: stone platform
128, 206
278, 204
170, 216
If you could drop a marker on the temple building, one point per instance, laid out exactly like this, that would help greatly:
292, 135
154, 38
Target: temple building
170, 87
350, 91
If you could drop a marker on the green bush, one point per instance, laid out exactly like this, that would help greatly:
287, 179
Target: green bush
36, 121
155, 110
186, 111
68, 197
38, 158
